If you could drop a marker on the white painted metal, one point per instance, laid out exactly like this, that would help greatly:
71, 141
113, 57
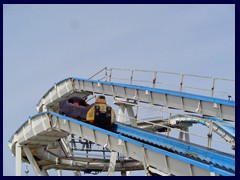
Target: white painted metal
210, 134
59, 172
18, 153
185, 133
46, 130
112, 164
32, 134
83, 88
180, 135
121, 112
131, 116
187, 137
66, 147
124, 104
153, 170
184, 121
44, 172
59, 161
77, 173
32, 161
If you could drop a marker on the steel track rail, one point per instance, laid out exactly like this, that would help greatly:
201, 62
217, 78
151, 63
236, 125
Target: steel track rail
193, 150
203, 105
37, 129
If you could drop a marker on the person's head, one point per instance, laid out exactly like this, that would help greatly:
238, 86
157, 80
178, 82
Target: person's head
75, 100
101, 100
76, 103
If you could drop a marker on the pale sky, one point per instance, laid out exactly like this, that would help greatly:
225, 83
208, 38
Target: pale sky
43, 44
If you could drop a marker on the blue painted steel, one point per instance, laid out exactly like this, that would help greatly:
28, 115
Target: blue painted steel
210, 167
228, 129
164, 91
203, 153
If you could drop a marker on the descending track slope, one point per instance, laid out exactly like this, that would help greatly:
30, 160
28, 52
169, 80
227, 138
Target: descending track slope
44, 128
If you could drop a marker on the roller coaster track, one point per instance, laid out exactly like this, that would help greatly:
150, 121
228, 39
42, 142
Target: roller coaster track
226, 131
42, 139
203, 105
45, 128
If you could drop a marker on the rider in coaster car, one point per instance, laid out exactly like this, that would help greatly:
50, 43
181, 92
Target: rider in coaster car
77, 101
74, 107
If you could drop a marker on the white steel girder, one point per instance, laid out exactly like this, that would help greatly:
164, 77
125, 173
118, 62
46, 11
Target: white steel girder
121, 118
32, 161
51, 124
18, 153
176, 100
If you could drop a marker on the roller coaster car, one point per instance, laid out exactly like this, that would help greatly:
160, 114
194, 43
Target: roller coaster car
99, 113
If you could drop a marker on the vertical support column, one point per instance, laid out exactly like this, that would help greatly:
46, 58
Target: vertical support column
32, 161
18, 152
123, 173
186, 134
128, 173
121, 117
144, 161
77, 173
112, 163
121, 112
131, 116
187, 138
210, 134
59, 172
180, 135
44, 172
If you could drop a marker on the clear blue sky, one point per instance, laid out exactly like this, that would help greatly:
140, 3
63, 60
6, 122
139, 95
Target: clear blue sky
43, 44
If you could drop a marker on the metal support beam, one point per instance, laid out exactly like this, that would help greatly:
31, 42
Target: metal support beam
59, 172
128, 173
187, 138
18, 152
121, 111
123, 173
44, 172
144, 161
186, 134
155, 171
77, 173
112, 163
123, 104
149, 155
66, 147
131, 116
121, 117
32, 161
180, 135
210, 134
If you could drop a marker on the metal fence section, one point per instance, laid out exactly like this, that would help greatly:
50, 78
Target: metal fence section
196, 84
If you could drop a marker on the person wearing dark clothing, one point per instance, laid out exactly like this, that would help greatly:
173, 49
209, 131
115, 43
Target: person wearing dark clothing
74, 107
